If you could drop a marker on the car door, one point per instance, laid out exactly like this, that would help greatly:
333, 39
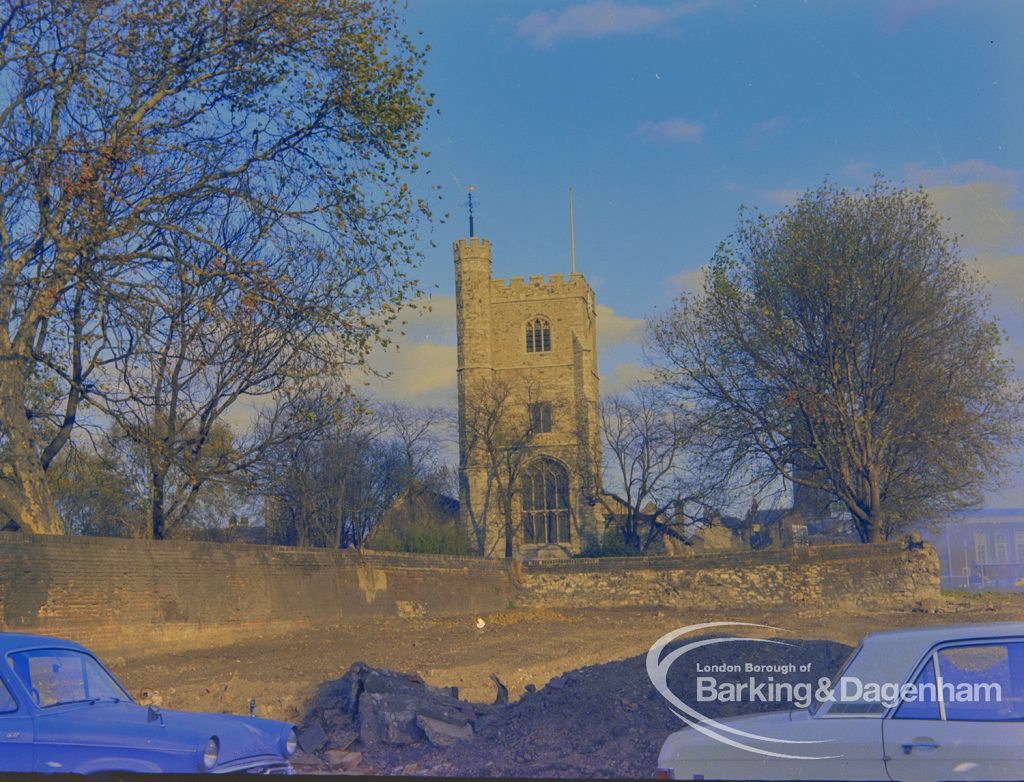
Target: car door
16, 734
968, 724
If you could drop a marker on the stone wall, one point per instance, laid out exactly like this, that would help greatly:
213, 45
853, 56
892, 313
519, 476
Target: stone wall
832, 576
114, 593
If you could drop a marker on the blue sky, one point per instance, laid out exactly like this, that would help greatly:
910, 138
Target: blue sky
665, 117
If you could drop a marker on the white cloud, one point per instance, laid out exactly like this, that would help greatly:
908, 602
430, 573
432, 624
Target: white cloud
897, 14
991, 231
420, 366
691, 280
418, 372
769, 127
671, 130
615, 329
860, 172
784, 196
624, 376
964, 172
600, 19
432, 320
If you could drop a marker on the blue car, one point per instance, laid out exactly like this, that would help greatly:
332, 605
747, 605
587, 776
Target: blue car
62, 711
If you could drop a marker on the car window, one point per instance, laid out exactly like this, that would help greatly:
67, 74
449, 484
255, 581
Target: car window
924, 705
983, 681
55, 676
7, 703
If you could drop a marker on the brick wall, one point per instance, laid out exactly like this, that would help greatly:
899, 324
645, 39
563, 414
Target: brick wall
102, 590
114, 593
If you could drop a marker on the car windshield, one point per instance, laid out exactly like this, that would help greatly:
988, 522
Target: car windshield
57, 676
836, 677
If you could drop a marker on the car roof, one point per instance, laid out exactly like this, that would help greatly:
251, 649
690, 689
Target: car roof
914, 642
10, 642
927, 637
890, 656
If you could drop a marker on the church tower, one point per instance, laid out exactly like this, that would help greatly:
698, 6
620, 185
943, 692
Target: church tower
529, 438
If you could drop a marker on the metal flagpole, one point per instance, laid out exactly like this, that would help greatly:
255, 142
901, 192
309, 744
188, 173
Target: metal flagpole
572, 234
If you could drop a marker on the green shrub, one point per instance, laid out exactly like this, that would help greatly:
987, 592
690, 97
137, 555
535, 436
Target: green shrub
423, 539
613, 545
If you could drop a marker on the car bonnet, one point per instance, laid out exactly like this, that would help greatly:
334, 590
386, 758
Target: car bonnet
125, 724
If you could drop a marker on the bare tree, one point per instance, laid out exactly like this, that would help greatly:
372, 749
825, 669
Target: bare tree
844, 346
654, 485
420, 433
96, 491
129, 128
314, 484
497, 445
214, 337
334, 486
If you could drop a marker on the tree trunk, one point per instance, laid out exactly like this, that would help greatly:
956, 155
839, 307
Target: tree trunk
157, 521
339, 538
507, 510
508, 540
631, 530
24, 493
876, 517
874, 527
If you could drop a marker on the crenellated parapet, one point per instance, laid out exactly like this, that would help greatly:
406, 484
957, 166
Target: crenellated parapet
473, 246
540, 287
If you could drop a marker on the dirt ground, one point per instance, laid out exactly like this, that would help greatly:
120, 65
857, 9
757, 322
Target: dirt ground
282, 672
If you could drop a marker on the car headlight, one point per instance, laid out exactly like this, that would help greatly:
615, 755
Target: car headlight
290, 743
210, 752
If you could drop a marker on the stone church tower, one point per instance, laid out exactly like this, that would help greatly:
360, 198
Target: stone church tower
529, 438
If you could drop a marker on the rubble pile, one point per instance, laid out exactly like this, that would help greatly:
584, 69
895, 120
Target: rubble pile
603, 721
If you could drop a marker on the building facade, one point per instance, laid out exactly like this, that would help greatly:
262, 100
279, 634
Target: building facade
529, 439
982, 549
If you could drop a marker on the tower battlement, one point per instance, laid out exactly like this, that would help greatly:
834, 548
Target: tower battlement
473, 246
540, 286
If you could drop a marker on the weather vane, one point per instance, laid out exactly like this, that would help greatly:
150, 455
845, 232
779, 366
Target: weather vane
469, 206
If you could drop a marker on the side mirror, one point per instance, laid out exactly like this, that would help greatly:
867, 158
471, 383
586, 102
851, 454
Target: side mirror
153, 714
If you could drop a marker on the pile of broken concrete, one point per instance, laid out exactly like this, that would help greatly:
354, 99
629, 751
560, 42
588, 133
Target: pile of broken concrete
377, 710
602, 721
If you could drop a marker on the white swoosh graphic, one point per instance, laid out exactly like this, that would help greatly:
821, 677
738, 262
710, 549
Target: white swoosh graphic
657, 670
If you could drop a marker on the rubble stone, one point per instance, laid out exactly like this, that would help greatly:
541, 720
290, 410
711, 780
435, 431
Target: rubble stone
443, 734
338, 758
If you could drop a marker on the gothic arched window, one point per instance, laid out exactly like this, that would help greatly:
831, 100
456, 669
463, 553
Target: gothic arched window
545, 494
538, 336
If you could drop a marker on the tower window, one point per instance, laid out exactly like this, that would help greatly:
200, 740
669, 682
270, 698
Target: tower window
545, 493
538, 336
540, 417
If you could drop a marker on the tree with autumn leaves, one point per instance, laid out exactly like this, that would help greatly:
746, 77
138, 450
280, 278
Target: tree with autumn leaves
844, 345
203, 203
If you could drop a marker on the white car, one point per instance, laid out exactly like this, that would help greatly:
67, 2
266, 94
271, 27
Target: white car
886, 717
